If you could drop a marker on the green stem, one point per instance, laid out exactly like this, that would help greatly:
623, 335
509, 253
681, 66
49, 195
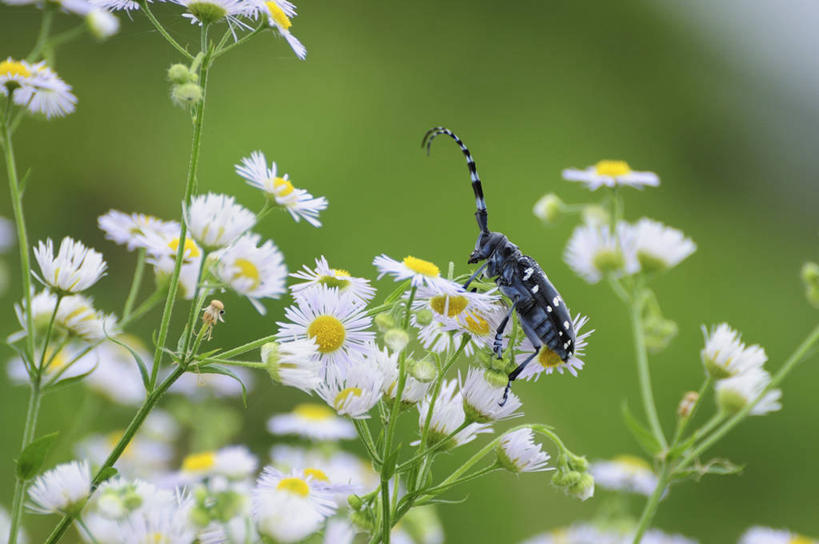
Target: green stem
66, 36
438, 489
42, 366
42, 37
222, 50
643, 371
196, 304
135, 284
244, 348
712, 423
653, 501
367, 438
20, 486
154, 21
229, 362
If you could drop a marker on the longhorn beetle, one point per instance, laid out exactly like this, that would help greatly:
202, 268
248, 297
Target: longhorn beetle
542, 314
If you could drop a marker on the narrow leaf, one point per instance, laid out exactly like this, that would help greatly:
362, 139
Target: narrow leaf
640, 432
106, 474
33, 457
225, 372
395, 295
65, 382
143, 370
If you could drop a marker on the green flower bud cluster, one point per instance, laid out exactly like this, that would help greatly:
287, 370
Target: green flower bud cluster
573, 477
658, 331
217, 507
185, 89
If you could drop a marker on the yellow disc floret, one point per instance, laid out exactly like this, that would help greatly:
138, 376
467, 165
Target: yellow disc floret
247, 269
328, 332
282, 187
612, 168
420, 266
345, 394
191, 250
548, 358
279, 16
477, 324
448, 305
10, 67
317, 474
296, 486
313, 412
632, 463
199, 462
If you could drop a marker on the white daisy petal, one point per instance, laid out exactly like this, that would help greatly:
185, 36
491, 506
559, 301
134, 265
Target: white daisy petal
313, 421
611, 174
658, 247
334, 278
253, 270
216, 221
518, 452
625, 473
75, 268
61, 488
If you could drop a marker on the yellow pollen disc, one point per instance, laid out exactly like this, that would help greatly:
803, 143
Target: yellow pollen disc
14, 68
456, 304
317, 474
247, 270
421, 266
612, 168
477, 324
799, 539
199, 461
344, 394
328, 332
191, 251
313, 412
281, 186
548, 358
341, 273
633, 463
156, 538
296, 486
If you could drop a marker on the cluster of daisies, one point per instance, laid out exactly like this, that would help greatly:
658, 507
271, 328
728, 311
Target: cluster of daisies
587, 533
36, 87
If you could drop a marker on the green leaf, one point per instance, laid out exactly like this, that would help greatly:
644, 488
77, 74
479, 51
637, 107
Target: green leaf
225, 372
33, 457
143, 370
390, 464
24, 181
106, 474
641, 433
395, 295
65, 382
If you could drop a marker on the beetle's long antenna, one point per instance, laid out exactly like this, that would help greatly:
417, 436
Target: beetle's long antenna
477, 188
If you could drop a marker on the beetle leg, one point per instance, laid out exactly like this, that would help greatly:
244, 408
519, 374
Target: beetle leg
515, 373
497, 347
475, 275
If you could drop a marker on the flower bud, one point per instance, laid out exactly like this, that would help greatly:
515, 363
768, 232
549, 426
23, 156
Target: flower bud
687, 404
270, 357
180, 74
424, 370
548, 208
207, 12
579, 463
101, 24
363, 520
584, 488
355, 502
595, 215
384, 321
423, 317
659, 332
396, 339
186, 94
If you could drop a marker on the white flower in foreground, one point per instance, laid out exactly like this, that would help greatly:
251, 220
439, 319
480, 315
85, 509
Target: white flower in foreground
288, 508
333, 320
421, 272
593, 252
658, 247
733, 394
339, 467
625, 473
160, 523
75, 268
387, 363
198, 385
482, 392
129, 229
252, 270
354, 389
547, 361
447, 417
293, 363
143, 458
766, 535
519, 452
313, 421
216, 221
278, 14
724, 354
117, 498
611, 174
298, 202
36, 87
334, 278
61, 489
232, 462
340, 531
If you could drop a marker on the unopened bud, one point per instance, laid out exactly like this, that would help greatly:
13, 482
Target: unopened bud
384, 321
579, 463
423, 370
207, 12
355, 502
363, 520
396, 339
548, 208
423, 317
101, 23
687, 404
179, 74
186, 94
584, 488
659, 332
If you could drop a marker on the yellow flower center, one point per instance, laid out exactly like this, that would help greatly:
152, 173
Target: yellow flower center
421, 266
247, 270
632, 463
58, 360
799, 539
448, 305
317, 474
341, 273
281, 186
155, 538
344, 394
191, 251
14, 68
336, 280
477, 324
548, 358
313, 412
612, 168
328, 332
199, 461
296, 486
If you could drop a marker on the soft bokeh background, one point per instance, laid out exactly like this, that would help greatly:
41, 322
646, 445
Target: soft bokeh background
718, 99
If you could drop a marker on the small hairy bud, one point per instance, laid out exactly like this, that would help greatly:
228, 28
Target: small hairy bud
424, 317
579, 463
101, 23
423, 370
355, 502
584, 488
548, 208
186, 94
659, 332
384, 321
396, 339
687, 404
180, 74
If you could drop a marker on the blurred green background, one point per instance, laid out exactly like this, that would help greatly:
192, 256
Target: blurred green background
718, 99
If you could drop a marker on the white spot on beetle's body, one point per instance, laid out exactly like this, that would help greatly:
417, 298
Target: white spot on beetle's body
535, 288
549, 309
566, 325
528, 273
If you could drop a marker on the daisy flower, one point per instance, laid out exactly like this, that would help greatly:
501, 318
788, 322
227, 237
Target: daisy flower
216, 221
295, 364
335, 278
354, 389
77, 315
450, 304
36, 87
659, 247
313, 421
593, 252
480, 326
447, 417
212, 11
298, 202
733, 394
547, 361
75, 268
143, 458
335, 322
279, 13
766, 535
160, 523
232, 462
724, 355
252, 270
117, 5
5, 528
61, 489
611, 174
625, 473
128, 229
421, 272
70, 361
117, 498
339, 467
288, 508
518, 452
482, 392
387, 363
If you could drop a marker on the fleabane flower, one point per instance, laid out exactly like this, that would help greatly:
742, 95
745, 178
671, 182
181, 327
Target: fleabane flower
354, 389
117, 5
725, 355
327, 465
482, 392
129, 229
447, 417
610, 174
160, 523
312, 421
293, 363
733, 394
213, 11
625, 473
162, 248
216, 221
62, 489
658, 247
547, 361
766, 535
419, 271
334, 278
298, 202
289, 507
387, 363
593, 251
232, 462
36, 87
78, 316
75, 268
518, 452
279, 14
253, 270
335, 322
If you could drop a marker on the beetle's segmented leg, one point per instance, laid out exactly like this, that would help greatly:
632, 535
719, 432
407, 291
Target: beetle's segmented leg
497, 346
475, 275
515, 373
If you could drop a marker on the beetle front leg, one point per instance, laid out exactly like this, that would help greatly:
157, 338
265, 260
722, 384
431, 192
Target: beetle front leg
497, 346
475, 275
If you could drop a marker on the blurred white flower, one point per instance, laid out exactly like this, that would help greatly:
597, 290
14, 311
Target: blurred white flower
766, 535
611, 174
658, 247
129, 229
313, 421
519, 452
625, 473
216, 221
593, 252
61, 489
734, 393
724, 354
447, 417
35, 86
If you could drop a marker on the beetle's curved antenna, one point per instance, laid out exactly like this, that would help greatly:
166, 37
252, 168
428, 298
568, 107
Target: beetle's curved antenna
477, 188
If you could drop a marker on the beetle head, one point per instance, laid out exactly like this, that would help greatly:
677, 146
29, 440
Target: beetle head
485, 245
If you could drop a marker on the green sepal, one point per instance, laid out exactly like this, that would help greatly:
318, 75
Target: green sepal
106, 474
